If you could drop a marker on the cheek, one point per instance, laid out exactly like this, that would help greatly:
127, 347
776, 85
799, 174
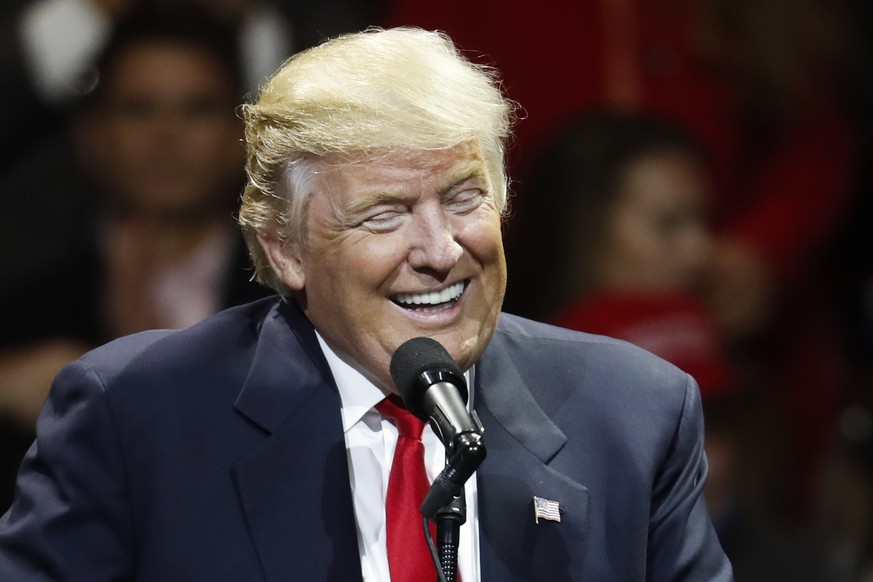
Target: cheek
696, 243
635, 243
353, 269
483, 237
126, 146
633, 254
333, 300
380, 254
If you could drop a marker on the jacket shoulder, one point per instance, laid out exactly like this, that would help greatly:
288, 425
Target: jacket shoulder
216, 340
560, 365
550, 344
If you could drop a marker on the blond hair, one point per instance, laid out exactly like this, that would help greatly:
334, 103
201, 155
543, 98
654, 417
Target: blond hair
356, 96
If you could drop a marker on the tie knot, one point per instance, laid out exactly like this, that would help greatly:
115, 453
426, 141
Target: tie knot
408, 425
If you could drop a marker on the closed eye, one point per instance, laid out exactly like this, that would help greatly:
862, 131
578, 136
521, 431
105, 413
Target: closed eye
465, 201
384, 221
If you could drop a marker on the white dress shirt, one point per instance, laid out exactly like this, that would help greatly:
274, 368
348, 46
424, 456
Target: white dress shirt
370, 442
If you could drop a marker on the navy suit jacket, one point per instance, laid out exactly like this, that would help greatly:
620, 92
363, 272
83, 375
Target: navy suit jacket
217, 453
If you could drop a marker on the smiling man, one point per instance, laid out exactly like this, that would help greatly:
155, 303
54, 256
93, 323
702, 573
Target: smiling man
260, 444
408, 245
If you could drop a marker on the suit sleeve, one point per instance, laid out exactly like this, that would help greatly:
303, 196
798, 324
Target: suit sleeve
71, 519
682, 542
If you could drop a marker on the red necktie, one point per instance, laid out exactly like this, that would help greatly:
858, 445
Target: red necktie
409, 559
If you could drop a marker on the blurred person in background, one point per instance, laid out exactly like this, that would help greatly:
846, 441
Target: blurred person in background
627, 257
46, 63
161, 140
631, 246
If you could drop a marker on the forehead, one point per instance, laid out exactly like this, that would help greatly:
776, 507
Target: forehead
396, 172
165, 67
667, 177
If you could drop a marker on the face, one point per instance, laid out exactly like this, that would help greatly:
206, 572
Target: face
656, 237
166, 138
399, 247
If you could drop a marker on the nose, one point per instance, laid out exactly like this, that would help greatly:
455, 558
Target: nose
692, 253
696, 244
433, 241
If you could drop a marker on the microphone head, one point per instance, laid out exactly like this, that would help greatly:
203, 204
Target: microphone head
417, 365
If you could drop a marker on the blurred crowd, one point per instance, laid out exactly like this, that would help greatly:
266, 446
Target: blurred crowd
687, 175
121, 172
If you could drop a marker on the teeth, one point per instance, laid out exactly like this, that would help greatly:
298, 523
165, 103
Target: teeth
432, 298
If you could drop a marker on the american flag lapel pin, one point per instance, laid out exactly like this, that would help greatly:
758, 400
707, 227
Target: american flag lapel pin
546, 509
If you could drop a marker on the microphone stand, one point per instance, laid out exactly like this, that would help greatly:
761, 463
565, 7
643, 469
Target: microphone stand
445, 504
449, 520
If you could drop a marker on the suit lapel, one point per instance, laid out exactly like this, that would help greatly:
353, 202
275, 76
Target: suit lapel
521, 441
294, 489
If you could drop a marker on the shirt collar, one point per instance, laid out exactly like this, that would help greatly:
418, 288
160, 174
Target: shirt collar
358, 395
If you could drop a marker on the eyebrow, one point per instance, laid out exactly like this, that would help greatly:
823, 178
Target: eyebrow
372, 200
472, 170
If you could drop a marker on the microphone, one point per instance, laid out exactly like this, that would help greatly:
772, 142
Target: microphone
433, 389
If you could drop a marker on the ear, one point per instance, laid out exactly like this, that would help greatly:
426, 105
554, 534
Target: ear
285, 259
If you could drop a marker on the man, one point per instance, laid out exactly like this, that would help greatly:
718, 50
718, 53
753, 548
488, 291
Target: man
248, 446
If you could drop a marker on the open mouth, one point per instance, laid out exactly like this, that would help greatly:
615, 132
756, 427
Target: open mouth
433, 300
